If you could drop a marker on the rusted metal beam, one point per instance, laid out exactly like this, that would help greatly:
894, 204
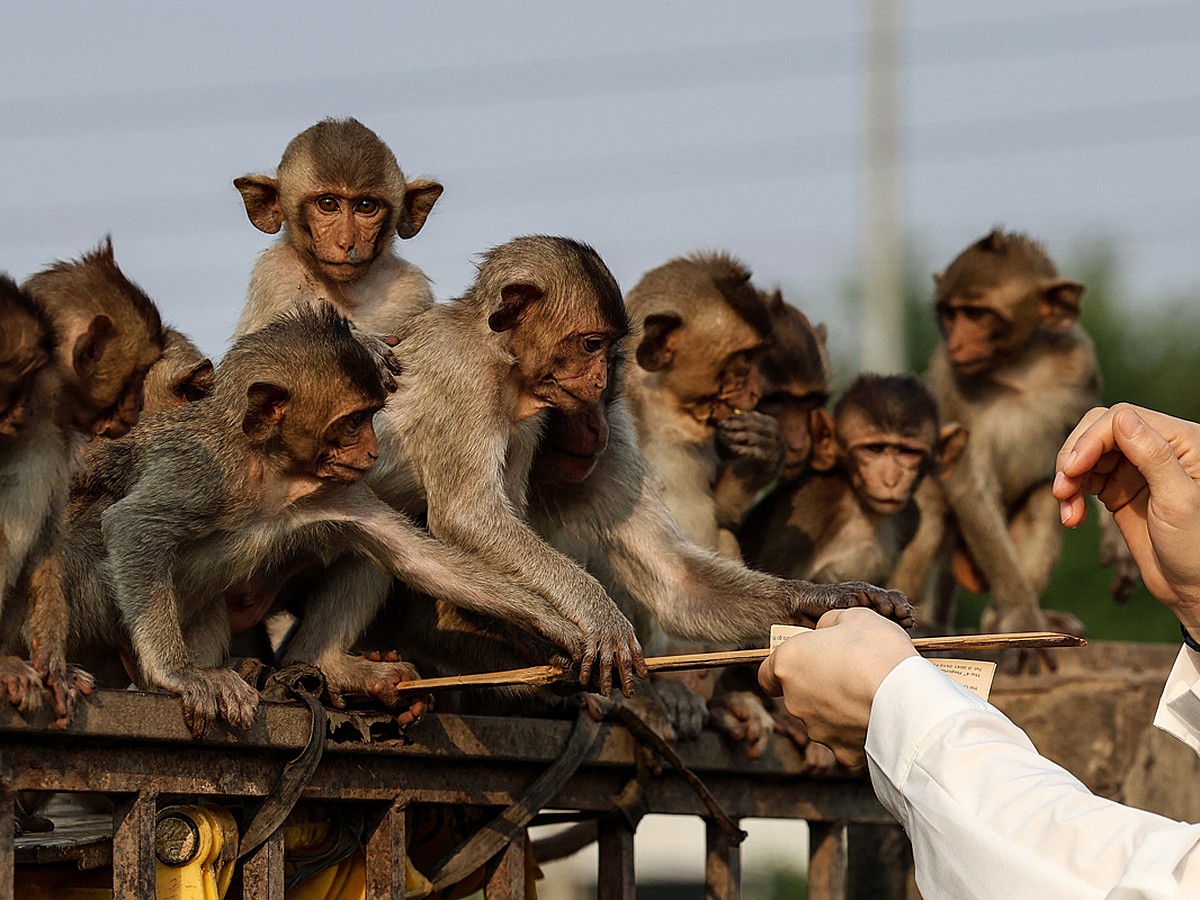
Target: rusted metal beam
385, 849
7, 827
722, 864
827, 861
133, 844
615, 879
506, 876
262, 870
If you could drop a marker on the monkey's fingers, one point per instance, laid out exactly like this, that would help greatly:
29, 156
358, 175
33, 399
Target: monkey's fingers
22, 684
67, 688
792, 728
586, 664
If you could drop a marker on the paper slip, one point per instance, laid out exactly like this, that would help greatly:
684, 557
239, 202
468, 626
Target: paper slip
973, 674
780, 633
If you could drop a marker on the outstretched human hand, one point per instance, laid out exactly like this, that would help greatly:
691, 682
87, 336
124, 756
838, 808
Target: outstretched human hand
1145, 468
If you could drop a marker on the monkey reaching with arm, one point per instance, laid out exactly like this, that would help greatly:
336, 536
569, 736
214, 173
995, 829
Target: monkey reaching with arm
107, 335
261, 477
341, 198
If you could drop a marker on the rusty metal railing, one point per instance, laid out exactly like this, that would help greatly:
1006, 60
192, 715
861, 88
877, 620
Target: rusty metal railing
135, 748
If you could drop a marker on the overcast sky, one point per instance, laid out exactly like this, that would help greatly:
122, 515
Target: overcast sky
648, 129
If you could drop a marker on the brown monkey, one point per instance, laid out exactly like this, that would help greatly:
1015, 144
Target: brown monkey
259, 478
182, 375
854, 520
1017, 370
699, 327
341, 198
795, 379
480, 374
26, 345
108, 335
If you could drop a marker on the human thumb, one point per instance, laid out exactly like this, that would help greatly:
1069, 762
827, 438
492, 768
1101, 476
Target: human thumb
1151, 453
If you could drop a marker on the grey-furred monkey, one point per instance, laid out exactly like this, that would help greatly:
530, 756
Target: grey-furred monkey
238, 490
532, 334
341, 199
107, 334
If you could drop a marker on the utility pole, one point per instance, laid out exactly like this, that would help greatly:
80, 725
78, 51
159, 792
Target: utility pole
882, 250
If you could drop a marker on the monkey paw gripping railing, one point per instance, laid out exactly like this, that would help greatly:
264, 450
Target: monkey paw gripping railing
135, 748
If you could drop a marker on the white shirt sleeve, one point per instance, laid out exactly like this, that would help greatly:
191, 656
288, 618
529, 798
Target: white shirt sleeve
989, 817
1179, 709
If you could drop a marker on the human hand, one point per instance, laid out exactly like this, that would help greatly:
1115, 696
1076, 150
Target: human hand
1144, 466
828, 677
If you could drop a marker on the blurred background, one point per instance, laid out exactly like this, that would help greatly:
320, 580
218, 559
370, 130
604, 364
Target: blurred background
844, 151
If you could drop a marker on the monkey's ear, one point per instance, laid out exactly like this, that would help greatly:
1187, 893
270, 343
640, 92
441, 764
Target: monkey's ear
824, 442
419, 197
85, 355
260, 193
937, 278
513, 300
775, 300
1059, 304
952, 440
266, 405
822, 333
657, 348
196, 383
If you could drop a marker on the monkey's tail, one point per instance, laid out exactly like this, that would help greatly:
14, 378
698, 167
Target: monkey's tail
567, 842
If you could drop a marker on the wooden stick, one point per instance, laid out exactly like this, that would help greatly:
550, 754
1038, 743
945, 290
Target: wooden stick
536, 676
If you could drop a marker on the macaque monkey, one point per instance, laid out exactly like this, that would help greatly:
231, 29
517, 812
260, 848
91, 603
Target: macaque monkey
1017, 370
182, 375
699, 327
341, 198
107, 335
26, 345
255, 481
854, 520
795, 379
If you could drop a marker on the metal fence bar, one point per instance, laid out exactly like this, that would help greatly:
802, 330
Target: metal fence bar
385, 845
506, 880
722, 864
827, 861
133, 845
615, 879
262, 870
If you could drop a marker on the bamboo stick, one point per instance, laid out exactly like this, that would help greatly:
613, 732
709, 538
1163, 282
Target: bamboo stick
536, 676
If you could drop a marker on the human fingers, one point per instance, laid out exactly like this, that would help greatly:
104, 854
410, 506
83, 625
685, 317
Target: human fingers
1152, 454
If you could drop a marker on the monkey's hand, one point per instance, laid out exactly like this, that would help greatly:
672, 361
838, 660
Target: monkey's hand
1114, 551
743, 717
812, 600
67, 683
754, 437
1014, 662
209, 693
372, 679
380, 346
21, 684
611, 650
686, 710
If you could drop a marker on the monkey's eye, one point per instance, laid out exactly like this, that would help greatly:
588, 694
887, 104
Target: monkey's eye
366, 206
360, 419
594, 343
327, 203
